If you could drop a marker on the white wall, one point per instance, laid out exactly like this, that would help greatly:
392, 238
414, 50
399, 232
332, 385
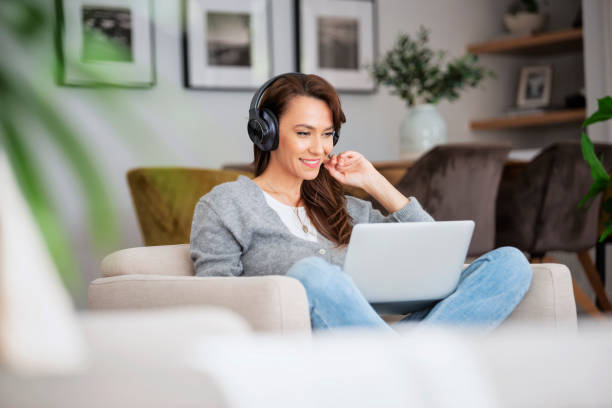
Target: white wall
170, 125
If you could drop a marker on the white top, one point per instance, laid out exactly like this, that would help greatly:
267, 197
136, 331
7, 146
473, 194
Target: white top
289, 216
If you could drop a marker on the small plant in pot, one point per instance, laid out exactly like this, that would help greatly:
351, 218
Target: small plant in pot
418, 75
523, 17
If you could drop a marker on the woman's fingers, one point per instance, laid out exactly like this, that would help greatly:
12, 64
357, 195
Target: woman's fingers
347, 161
335, 173
343, 161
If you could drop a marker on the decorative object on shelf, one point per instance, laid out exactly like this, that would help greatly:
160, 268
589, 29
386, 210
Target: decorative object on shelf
105, 43
523, 17
417, 75
336, 40
226, 44
576, 100
601, 178
578, 19
534, 86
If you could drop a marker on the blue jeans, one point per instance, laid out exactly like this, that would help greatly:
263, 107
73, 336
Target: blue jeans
488, 291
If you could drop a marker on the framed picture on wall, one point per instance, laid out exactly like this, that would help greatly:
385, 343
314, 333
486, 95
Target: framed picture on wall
105, 43
534, 87
226, 44
336, 39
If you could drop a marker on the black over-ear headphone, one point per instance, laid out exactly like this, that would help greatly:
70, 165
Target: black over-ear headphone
263, 123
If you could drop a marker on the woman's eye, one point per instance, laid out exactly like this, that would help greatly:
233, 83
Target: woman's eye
329, 134
302, 133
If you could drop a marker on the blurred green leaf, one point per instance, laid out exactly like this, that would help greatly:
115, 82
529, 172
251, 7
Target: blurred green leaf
22, 17
598, 172
606, 233
601, 179
604, 112
27, 21
100, 209
32, 186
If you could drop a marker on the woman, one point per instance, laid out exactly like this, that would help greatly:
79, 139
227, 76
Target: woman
294, 219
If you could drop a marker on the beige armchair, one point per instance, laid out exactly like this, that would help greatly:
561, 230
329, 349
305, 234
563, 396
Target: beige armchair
163, 276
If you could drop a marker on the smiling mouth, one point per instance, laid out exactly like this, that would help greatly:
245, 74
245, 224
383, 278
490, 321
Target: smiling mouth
311, 163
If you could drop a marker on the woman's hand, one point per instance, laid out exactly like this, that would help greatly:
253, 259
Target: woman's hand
351, 168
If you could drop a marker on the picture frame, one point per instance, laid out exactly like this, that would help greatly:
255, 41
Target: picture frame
227, 44
337, 40
105, 43
534, 86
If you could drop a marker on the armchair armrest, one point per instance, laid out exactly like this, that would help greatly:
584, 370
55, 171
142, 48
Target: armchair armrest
550, 298
268, 303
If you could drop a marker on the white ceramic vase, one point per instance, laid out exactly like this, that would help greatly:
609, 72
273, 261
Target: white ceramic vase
422, 128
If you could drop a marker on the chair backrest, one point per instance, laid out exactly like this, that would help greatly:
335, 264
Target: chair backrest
165, 197
159, 260
458, 182
538, 206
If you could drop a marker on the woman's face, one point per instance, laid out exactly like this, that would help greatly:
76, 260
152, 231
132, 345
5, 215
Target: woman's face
305, 137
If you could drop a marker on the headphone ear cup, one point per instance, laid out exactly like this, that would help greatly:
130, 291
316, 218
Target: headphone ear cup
336, 136
256, 130
270, 140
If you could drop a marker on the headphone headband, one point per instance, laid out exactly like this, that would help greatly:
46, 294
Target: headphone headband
257, 96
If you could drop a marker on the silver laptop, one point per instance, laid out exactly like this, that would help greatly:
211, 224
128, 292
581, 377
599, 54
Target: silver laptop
403, 267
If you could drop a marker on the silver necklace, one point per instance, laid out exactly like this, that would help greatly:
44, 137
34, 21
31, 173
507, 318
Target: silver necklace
304, 226
297, 214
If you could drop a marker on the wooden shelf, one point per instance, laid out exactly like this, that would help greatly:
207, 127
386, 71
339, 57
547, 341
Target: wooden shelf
539, 119
553, 42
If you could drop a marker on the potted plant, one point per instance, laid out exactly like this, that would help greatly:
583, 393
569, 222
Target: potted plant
523, 17
418, 75
602, 182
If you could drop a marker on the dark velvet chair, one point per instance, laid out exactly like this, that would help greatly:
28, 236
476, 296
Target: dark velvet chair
460, 182
537, 209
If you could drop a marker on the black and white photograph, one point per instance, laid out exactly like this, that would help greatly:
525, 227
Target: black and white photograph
534, 87
336, 39
106, 43
107, 34
228, 38
226, 44
338, 42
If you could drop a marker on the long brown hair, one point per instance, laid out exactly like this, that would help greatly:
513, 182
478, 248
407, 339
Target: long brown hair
324, 196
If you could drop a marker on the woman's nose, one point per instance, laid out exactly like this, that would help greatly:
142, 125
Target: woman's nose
317, 145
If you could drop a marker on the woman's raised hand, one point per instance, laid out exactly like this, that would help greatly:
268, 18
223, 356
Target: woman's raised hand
350, 168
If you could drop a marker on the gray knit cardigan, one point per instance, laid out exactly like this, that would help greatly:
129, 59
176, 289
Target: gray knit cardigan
235, 232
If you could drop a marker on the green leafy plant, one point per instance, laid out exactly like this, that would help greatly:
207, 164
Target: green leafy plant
417, 74
24, 101
530, 6
601, 178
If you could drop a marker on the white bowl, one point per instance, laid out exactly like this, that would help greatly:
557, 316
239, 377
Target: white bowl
523, 22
